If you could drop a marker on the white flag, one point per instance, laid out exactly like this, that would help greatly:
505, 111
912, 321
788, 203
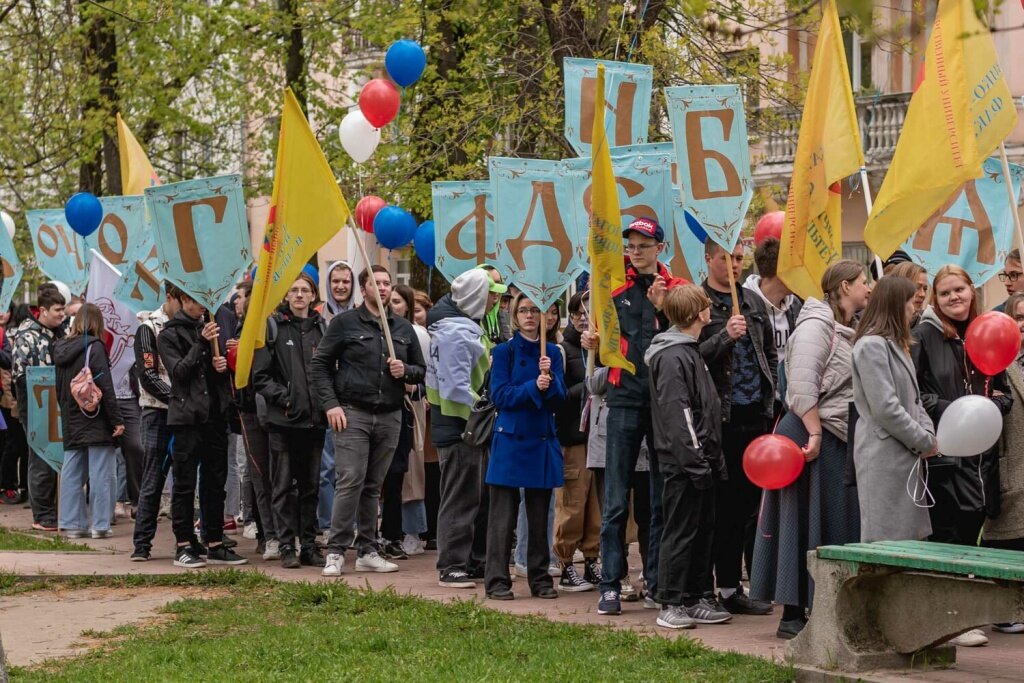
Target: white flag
119, 319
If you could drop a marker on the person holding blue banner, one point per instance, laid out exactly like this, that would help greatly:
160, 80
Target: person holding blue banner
90, 426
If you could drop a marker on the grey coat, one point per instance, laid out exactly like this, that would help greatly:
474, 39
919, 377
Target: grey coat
892, 434
1009, 525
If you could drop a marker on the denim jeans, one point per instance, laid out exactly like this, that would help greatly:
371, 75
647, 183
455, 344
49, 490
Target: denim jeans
95, 466
233, 486
627, 428
414, 518
325, 500
522, 533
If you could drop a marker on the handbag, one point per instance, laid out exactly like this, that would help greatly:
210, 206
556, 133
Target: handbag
483, 414
84, 390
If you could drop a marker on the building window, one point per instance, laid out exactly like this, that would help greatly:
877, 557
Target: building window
403, 267
858, 60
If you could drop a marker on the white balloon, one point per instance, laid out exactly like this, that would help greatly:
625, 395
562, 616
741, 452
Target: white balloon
358, 137
8, 223
969, 426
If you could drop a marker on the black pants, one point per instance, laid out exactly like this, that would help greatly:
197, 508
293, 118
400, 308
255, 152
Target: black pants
501, 524
257, 450
432, 499
13, 455
295, 476
686, 540
736, 498
196, 446
391, 506
462, 482
156, 462
42, 491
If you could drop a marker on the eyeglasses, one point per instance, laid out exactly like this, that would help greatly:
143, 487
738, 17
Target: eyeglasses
300, 290
529, 311
638, 248
1009, 277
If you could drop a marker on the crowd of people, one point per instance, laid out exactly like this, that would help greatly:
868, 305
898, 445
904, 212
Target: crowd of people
460, 431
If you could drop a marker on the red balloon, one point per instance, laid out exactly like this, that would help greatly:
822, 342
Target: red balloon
232, 357
773, 461
770, 225
992, 342
379, 100
366, 211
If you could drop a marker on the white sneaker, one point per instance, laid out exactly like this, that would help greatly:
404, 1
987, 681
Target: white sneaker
335, 563
272, 551
412, 545
105, 533
373, 562
973, 638
250, 531
1015, 627
554, 570
520, 570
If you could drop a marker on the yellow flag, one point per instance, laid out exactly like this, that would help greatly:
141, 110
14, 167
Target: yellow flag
828, 151
306, 210
956, 119
607, 267
136, 172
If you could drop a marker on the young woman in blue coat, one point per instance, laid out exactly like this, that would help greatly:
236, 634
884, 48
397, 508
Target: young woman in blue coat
527, 388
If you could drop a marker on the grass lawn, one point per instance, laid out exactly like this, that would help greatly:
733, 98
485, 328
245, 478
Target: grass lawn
269, 631
14, 540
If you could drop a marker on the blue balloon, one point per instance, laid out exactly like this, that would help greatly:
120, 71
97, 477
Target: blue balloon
405, 62
394, 227
696, 228
84, 213
310, 270
423, 242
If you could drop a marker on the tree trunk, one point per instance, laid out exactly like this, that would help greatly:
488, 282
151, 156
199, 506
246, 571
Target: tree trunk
101, 53
295, 63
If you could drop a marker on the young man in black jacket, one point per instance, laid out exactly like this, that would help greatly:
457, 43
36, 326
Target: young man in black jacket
197, 415
294, 419
740, 352
362, 391
687, 419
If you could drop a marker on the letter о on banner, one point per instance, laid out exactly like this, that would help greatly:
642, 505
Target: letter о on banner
123, 226
973, 228
60, 251
44, 428
627, 96
12, 269
709, 128
464, 230
534, 212
684, 252
202, 236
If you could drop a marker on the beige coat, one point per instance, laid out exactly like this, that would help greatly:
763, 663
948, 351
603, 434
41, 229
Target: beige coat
1009, 525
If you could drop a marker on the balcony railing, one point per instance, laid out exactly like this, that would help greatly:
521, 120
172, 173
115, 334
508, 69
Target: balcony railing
880, 120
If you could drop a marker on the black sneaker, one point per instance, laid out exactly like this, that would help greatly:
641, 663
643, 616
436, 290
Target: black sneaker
790, 629
572, 582
312, 558
431, 544
221, 554
393, 550
740, 603
456, 579
140, 555
184, 557
591, 571
197, 548
229, 542
288, 559
478, 573
609, 603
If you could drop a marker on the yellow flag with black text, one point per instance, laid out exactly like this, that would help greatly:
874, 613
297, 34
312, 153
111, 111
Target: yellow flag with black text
307, 208
957, 117
607, 266
827, 151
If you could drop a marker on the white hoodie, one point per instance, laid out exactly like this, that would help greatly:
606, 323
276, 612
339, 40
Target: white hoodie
780, 322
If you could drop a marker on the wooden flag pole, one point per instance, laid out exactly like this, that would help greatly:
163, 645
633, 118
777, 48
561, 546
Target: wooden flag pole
376, 292
1018, 236
732, 285
868, 204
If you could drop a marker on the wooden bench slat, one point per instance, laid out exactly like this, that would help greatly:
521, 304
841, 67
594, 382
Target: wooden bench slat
1011, 557
961, 560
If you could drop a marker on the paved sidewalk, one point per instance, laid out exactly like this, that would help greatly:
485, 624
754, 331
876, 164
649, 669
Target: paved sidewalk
999, 662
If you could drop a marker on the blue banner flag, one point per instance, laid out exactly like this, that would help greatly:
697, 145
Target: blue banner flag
122, 228
60, 252
709, 128
540, 247
202, 235
684, 250
973, 228
140, 284
43, 428
12, 270
464, 233
627, 99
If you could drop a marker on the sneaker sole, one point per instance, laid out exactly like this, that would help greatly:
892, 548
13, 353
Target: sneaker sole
751, 612
183, 565
457, 584
713, 621
575, 589
376, 570
1016, 628
665, 624
331, 574
232, 562
609, 612
136, 558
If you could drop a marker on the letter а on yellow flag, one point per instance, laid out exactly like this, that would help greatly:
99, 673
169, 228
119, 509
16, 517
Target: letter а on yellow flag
827, 151
136, 172
607, 268
956, 119
306, 209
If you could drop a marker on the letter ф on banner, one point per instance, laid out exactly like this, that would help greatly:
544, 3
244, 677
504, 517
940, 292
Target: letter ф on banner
539, 244
627, 102
202, 236
464, 231
43, 429
973, 228
710, 131
60, 252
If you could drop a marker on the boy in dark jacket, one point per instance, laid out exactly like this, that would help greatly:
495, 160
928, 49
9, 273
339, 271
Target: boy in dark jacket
296, 423
197, 415
686, 415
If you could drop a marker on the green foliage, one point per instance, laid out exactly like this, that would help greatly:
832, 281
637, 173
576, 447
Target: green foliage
13, 540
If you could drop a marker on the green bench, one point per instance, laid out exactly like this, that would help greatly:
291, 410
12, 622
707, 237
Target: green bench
894, 604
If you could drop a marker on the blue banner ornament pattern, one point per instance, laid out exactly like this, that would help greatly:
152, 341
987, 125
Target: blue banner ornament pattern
202, 235
12, 270
44, 428
541, 246
709, 129
627, 98
973, 229
60, 251
464, 230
